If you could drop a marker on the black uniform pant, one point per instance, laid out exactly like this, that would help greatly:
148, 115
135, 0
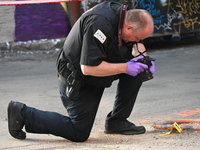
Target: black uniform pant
82, 112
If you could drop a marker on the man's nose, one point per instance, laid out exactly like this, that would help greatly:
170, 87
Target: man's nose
137, 40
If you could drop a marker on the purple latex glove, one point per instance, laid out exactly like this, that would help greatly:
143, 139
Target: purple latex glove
152, 68
134, 67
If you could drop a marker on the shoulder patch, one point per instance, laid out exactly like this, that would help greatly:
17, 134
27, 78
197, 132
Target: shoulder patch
100, 36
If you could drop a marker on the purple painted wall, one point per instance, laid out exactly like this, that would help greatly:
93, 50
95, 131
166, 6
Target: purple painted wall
43, 21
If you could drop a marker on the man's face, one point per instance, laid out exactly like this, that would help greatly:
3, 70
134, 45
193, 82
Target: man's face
130, 36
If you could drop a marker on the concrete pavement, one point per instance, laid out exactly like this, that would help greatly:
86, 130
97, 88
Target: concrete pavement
174, 93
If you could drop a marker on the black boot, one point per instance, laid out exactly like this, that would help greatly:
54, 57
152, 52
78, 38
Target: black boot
15, 120
123, 126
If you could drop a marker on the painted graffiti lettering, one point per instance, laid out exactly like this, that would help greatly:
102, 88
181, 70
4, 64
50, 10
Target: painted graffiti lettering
180, 15
150, 7
188, 7
170, 18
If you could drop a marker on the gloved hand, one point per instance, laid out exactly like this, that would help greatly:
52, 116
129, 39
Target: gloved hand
134, 67
152, 68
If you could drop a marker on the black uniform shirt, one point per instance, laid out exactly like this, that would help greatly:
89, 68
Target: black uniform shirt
94, 38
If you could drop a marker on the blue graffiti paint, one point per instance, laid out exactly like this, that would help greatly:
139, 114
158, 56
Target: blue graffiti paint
149, 5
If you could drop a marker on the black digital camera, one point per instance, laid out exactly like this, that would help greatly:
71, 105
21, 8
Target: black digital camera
146, 74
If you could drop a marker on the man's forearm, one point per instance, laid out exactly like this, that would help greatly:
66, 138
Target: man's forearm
104, 69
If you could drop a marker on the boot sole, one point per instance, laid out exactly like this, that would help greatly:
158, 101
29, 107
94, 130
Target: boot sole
21, 134
124, 132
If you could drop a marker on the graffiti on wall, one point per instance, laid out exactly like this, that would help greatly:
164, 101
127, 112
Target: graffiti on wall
178, 16
170, 16
190, 9
149, 5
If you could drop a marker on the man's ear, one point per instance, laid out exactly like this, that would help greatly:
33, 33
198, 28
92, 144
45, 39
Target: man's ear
129, 27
